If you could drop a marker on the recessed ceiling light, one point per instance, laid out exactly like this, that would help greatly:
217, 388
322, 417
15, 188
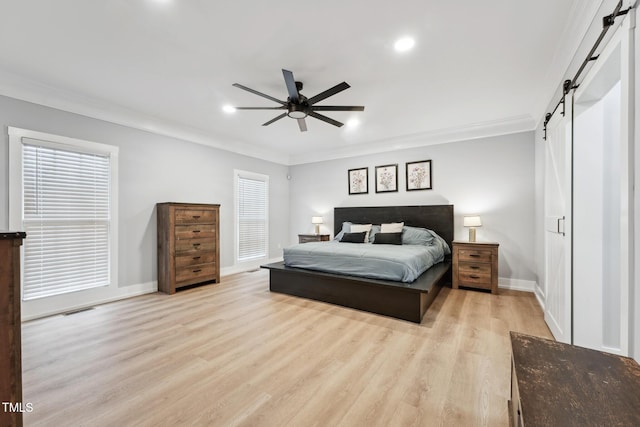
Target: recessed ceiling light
404, 44
353, 123
229, 109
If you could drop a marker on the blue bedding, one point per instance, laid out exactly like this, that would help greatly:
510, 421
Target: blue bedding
403, 263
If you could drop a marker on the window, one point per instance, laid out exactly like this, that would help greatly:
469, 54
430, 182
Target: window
252, 207
62, 196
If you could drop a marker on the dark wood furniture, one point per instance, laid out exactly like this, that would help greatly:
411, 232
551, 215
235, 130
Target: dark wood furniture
557, 384
306, 238
10, 329
407, 301
188, 245
475, 265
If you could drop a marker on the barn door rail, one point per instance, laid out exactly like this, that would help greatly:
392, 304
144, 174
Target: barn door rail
607, 22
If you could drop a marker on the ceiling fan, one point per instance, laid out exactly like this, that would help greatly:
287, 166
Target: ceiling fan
298, 106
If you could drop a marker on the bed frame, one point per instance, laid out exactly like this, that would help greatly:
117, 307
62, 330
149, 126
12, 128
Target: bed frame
407, 301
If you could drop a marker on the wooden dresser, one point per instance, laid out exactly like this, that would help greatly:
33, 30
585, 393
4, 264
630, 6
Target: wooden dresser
188, 245
10, 329
475, 265
557, 384
306, 238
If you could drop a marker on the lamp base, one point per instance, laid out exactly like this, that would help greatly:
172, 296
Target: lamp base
317, 229
472, 234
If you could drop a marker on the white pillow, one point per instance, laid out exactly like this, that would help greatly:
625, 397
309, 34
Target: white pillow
394, 227
359, 228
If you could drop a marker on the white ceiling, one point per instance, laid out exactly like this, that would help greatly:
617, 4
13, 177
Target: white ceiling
478, 67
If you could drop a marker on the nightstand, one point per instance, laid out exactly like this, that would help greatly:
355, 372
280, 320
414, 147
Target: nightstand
475, 265
306, 238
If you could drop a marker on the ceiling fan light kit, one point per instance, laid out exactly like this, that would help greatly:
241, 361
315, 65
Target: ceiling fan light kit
298, 106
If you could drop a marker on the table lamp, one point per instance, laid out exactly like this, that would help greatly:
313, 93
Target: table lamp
317, 220
472, 221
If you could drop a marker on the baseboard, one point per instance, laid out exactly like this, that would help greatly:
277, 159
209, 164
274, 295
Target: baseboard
44, 310
246, 266
540, 296
517, 284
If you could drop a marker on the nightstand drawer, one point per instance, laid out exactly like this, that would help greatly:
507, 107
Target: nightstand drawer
477, 280
306, 238
474, 268
477, 255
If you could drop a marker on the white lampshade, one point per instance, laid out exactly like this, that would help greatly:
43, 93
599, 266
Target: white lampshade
472, 221
316, 220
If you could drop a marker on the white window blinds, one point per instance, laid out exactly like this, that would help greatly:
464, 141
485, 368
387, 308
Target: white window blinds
66, 217
252, 197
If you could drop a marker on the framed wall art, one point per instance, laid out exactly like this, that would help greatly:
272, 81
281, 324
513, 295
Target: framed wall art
359, 181
386, 178
419, 175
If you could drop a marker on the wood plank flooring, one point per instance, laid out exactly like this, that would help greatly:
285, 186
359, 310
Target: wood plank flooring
234, 354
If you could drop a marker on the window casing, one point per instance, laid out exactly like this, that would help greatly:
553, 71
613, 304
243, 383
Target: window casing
63, 194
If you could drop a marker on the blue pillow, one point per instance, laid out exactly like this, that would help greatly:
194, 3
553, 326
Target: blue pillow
416, 236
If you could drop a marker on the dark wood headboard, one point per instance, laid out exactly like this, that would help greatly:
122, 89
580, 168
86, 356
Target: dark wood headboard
438, 218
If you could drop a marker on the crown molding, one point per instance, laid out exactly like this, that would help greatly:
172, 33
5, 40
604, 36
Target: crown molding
505, 126
21, 88
18, 87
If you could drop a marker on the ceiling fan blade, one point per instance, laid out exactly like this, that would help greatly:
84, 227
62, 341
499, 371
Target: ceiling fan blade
337, 108
248, 89
329, 92
325, 119
291, 85
260, 108
302, 125
274, 119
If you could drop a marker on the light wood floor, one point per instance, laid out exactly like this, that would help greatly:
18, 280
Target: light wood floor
235, 354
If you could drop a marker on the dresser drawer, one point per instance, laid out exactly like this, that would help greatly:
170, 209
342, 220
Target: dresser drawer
195, 231
195, 274
195, 216
194, 246
477, 255
195, 259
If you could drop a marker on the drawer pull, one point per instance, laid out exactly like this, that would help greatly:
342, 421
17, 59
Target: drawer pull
475, 255
196, 231
197, 257
195, 245
195, 216
197, 271
474, 276
475, 267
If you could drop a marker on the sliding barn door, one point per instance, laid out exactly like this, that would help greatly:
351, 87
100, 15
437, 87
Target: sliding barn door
603, 201
557, 209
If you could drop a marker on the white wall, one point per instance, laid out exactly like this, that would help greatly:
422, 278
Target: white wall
493, 177
152, 169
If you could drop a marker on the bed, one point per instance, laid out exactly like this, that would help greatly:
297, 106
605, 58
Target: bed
394, 298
